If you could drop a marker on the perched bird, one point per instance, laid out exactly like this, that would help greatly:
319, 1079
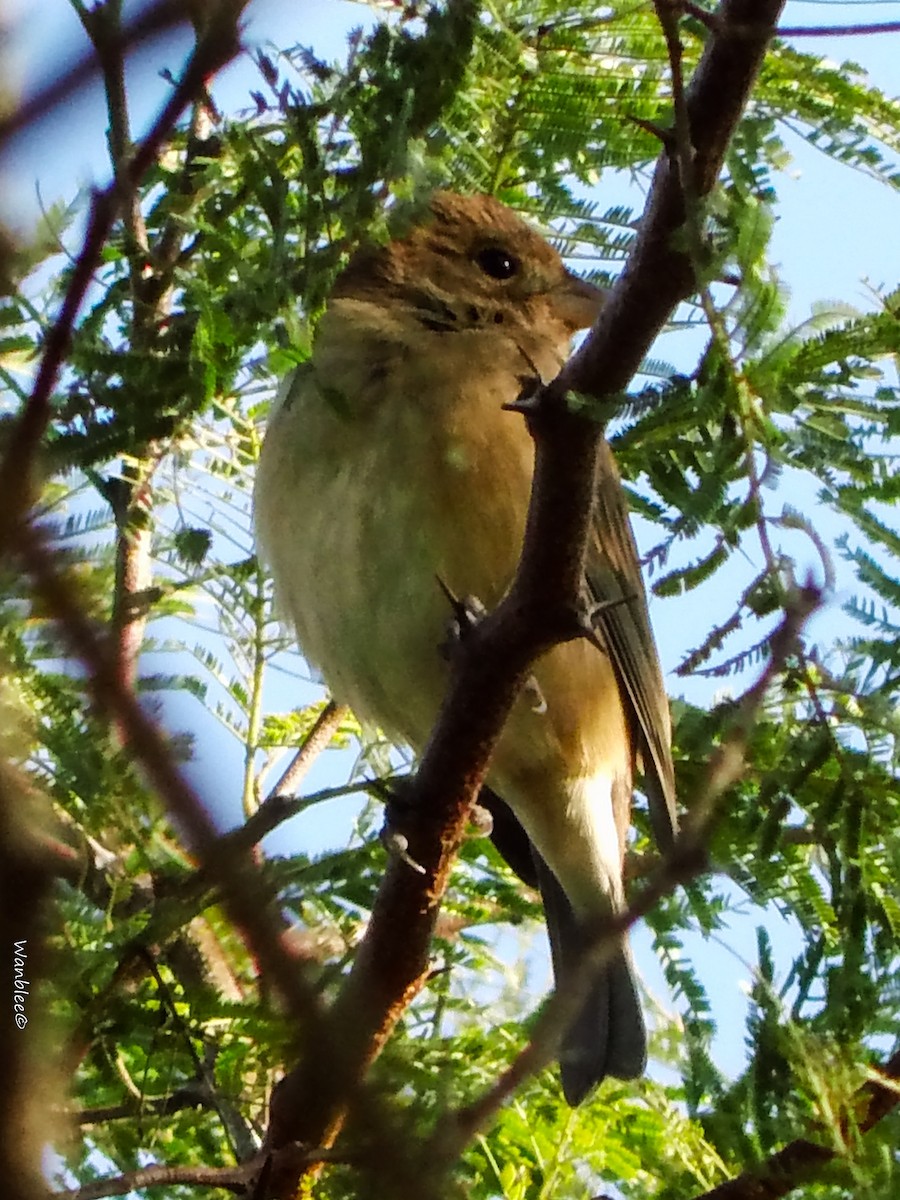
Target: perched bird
390, 464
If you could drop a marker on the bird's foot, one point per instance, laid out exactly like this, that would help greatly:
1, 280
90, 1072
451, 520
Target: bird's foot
397, 810
481, 822
468, 612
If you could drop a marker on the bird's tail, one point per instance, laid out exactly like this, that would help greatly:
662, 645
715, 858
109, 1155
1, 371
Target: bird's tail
607, 1036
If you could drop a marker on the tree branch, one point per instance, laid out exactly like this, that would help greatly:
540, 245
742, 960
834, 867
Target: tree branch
802, 31
802, 1160
217, 45
318, 739
232, 1179
538, 612
155, 19
685, 862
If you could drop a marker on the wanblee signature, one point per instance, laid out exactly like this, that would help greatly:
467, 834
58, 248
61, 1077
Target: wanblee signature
20, 984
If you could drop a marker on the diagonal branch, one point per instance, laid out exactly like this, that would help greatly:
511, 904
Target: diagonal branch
326, 725
541, 607
251, 901
153, 20
687, 860
216, 46
802, 1160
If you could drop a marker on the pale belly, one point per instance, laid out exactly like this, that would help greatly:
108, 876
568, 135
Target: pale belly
375, 526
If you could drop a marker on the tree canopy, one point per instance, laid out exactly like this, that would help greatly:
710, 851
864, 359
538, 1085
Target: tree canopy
176, 973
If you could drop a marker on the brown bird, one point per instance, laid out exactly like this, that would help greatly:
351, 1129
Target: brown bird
390, 463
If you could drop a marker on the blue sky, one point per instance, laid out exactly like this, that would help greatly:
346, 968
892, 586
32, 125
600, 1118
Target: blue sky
836, 230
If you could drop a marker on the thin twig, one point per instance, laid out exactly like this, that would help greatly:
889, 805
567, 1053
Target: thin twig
802, 31
155, 19
279, 807
686, 861
318, 739
235, 1128
709, 19
802, 1160
217, 46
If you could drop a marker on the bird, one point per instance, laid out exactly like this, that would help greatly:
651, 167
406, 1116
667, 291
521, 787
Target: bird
393, 472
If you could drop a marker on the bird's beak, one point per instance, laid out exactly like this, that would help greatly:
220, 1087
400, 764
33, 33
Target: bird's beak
577, 302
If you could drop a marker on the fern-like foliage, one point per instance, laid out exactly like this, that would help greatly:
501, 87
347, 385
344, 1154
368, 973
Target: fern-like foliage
772, 452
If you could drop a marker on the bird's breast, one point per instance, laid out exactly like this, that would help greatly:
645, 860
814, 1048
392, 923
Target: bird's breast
366, 499
362, 508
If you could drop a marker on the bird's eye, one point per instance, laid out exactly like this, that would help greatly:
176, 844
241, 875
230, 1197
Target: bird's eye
497, 262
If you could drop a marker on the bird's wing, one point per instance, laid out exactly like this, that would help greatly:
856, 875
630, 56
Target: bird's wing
616, 585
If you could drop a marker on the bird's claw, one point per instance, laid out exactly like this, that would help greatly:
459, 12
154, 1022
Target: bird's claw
481, 821
395, 797
532, 690
397, 846
468, 612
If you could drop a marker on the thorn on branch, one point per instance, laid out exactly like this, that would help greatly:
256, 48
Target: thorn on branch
598, 608
590, 616
468, 613
530, 399
662, 135
397, 805
708, 19
532, 691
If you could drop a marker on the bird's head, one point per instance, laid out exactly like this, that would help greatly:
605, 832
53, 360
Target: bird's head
469, 261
